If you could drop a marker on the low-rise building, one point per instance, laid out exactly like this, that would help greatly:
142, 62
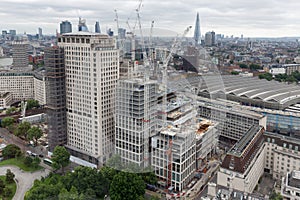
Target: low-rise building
243, 165
290, 186
5, 99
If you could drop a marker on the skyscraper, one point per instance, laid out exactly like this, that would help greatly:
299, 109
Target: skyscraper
92, 71
40, 33
56, 96
82, 25
65, 27
197, 33
97, 27
20, 53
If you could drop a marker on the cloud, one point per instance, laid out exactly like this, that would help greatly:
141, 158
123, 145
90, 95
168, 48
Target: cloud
231, 17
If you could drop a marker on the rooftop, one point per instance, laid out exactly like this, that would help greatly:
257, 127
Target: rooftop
294, 179
241, 145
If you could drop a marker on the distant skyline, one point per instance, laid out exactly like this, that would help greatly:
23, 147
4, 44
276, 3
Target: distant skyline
264, 18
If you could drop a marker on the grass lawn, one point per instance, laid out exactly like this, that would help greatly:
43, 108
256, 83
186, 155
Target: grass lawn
12, 186
19, 163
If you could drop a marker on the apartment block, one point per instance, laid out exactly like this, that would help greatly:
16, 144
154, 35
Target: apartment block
92, 71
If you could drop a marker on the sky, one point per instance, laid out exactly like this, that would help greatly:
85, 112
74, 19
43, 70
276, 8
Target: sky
252, 18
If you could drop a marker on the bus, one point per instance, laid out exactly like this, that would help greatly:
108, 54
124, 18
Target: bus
48, 161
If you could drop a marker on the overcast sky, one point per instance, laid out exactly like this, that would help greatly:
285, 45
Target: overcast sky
252, 18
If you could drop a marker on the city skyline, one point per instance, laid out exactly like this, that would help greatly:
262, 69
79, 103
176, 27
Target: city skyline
252, 19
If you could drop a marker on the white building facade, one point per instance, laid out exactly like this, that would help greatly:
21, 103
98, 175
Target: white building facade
92, 71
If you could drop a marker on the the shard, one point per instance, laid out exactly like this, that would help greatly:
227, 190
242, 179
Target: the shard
197, 33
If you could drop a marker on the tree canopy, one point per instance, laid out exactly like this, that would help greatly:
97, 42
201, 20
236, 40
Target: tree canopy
31, 103
60, 157
7, 121
127, 186
34, 133
22, 129
11, 151
84, 183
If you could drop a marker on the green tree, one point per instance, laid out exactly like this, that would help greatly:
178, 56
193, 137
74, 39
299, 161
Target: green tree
9, 177
243, 65
2, 186
7, 121
235, 73
43, 191
31, 103
28, 161
11, 110
23, 129
7, 192
34, 133
11, 151
255, 67
108, 173
85, 177
127, 186
60, 158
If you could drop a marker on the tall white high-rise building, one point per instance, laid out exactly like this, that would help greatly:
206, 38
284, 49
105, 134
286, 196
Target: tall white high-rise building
92, 71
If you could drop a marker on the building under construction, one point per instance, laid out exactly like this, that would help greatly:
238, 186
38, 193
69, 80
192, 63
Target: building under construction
135, 120
55, 94
174, 147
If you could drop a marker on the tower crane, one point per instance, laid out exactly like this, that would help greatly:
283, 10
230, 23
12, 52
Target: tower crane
120, 40
164, 69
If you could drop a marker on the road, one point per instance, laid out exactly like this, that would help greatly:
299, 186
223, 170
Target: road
23, 179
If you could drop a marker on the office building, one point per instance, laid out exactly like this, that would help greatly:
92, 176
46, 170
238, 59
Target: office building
82, 25
210, 39
5, 99
39, 85
282, 155
233, 124
290, 186
40, 33
207, 138
197, 33
136, 120
121, 33
65, 27
97, 27
19, 84
13, 33
243, 165
92, 71
20, 53
56, 96
173, 149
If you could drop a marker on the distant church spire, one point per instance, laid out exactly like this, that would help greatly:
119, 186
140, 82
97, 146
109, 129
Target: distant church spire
197, 33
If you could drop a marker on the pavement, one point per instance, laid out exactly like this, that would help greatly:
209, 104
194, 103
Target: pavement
23, 179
